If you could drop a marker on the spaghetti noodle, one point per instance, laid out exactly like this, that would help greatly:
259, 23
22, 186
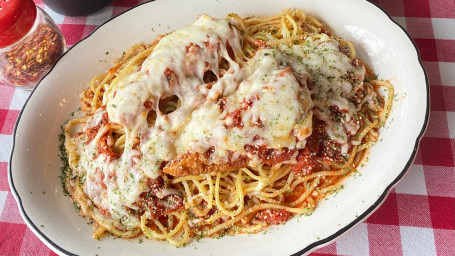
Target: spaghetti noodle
222, 127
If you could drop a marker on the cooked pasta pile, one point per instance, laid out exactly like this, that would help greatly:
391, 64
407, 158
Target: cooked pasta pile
222, 127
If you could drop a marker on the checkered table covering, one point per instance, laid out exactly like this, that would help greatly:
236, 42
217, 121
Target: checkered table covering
418, 216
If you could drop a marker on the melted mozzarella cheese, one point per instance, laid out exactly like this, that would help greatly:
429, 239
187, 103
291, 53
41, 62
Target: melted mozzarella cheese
329, 69
115, 184
274, 109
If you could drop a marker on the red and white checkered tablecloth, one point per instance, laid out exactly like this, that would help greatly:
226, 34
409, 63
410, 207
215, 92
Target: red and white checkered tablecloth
418, 216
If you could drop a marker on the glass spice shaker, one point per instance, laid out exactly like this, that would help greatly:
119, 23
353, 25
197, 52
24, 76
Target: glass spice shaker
30, 43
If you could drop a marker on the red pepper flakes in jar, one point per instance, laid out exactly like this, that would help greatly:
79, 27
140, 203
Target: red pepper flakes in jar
30, 43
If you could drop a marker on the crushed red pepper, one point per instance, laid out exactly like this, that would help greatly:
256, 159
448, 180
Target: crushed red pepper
27, 62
